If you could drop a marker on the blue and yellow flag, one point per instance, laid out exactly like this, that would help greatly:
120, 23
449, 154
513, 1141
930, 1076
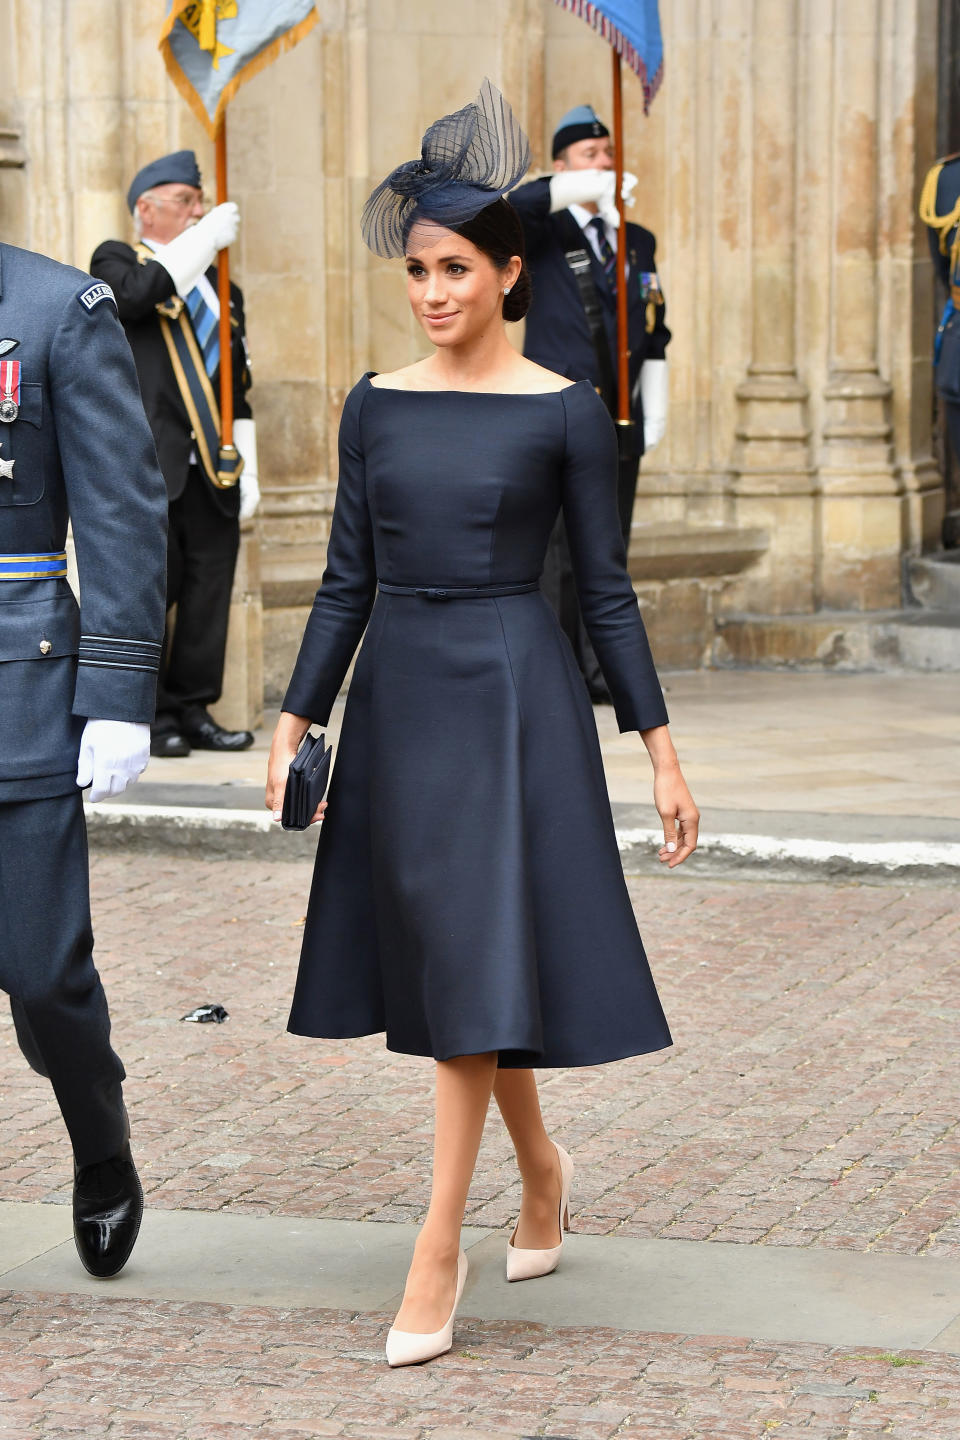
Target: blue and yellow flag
210, 47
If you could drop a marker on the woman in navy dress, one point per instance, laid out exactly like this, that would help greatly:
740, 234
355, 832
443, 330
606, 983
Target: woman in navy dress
468, 897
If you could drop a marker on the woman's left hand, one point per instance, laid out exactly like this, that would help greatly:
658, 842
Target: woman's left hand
680, 816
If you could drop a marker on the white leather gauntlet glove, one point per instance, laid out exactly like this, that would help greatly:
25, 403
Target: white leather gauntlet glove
245, 439
189, 255
112, 754
653, 397
591, 187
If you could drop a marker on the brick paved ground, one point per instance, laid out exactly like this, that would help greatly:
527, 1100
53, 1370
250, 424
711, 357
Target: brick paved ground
812, 1095
811, 1098
123, 1370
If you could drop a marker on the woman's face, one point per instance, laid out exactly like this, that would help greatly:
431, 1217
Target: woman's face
455, 290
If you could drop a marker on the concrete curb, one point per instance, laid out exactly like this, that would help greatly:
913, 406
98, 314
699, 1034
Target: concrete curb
779, 1293
201, 830
250, 834
796, 858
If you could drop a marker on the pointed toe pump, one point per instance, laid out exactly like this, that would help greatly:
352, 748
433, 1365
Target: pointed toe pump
406, 1347
529, 1264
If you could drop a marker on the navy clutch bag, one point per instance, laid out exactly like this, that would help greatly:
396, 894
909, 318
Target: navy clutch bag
306, 782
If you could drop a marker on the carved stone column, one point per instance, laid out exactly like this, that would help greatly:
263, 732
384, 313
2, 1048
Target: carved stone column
771, 464
861, 516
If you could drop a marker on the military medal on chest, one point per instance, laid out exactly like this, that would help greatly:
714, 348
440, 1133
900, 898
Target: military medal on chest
9, 391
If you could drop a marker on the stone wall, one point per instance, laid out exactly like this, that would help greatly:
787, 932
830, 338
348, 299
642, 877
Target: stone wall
779, 169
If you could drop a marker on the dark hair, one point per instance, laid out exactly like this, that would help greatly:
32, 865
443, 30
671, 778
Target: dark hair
497, 231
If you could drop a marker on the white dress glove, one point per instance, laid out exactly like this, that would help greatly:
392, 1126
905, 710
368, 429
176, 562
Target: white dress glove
581, 187
245, 439
112, 754
653, 397
190, 254
591, 187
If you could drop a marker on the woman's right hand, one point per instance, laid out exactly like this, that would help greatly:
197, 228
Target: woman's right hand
286, 742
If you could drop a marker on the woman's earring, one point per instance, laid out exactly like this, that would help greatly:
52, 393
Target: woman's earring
507, 289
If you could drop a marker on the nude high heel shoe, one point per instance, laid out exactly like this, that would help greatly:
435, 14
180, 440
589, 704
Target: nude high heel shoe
406, 1347
528, 1264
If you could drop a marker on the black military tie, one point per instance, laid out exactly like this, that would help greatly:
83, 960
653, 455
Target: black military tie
607, 256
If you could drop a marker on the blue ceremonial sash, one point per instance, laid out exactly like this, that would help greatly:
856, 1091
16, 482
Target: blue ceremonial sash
193, 382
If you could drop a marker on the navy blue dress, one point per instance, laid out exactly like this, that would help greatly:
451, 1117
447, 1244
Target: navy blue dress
468, 894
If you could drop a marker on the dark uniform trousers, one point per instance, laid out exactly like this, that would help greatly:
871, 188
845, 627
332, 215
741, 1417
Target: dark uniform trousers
202, 546
47, 969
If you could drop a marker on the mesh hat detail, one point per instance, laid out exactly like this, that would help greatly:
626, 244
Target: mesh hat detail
467, 160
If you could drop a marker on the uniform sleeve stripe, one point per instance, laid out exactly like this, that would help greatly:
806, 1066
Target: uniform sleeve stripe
115, 665
118, 651
121, 640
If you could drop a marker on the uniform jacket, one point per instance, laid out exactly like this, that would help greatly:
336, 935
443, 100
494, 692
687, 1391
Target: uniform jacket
139, 289
557, 333
947, 367
81, 449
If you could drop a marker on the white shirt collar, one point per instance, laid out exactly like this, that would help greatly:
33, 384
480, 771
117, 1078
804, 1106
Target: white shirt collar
583, 218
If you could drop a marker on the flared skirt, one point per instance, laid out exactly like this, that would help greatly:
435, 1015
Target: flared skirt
468, 894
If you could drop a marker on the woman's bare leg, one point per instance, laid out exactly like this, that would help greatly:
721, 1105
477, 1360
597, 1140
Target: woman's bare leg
463, 1098
515, 1092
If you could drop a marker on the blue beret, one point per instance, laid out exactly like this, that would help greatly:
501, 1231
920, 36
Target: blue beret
580, 123
180, 168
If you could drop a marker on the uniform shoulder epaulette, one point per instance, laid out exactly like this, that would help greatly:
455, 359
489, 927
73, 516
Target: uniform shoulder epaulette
942, 223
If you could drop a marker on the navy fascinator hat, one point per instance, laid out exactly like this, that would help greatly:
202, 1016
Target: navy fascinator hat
467, 161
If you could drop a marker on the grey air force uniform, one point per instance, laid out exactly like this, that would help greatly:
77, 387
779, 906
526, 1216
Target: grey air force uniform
74, 444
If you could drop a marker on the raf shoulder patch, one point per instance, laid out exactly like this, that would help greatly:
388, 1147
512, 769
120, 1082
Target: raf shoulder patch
91, 297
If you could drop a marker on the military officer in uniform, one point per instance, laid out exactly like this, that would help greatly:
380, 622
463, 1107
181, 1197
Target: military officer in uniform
571, 227
78, 687
940, 211
167, 297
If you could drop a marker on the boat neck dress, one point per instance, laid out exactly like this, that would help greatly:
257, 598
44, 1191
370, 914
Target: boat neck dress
468, 894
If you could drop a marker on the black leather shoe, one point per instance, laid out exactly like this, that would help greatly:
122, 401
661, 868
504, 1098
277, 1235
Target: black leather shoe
169, 747
107, 1210
206, 734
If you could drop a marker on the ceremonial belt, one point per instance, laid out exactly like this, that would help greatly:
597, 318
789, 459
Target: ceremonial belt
460, 592
193, 382
51, 565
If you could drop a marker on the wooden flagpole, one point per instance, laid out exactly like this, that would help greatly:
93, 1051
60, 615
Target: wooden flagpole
623, 348
230, 464
223, 291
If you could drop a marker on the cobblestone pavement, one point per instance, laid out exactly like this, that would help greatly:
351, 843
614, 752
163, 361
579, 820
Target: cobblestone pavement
122, 1370
811, 1097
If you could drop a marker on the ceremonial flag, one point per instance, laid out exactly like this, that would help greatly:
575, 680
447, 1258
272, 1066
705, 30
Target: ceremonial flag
210, 47
633, 29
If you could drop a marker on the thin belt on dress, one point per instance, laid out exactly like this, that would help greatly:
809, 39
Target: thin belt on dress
48, 565
460, 592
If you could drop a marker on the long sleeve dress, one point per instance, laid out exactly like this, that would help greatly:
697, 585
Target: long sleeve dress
468, 894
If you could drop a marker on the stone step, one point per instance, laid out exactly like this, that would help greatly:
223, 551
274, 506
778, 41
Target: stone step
934, 580
841, 640
677, 551
290, 574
